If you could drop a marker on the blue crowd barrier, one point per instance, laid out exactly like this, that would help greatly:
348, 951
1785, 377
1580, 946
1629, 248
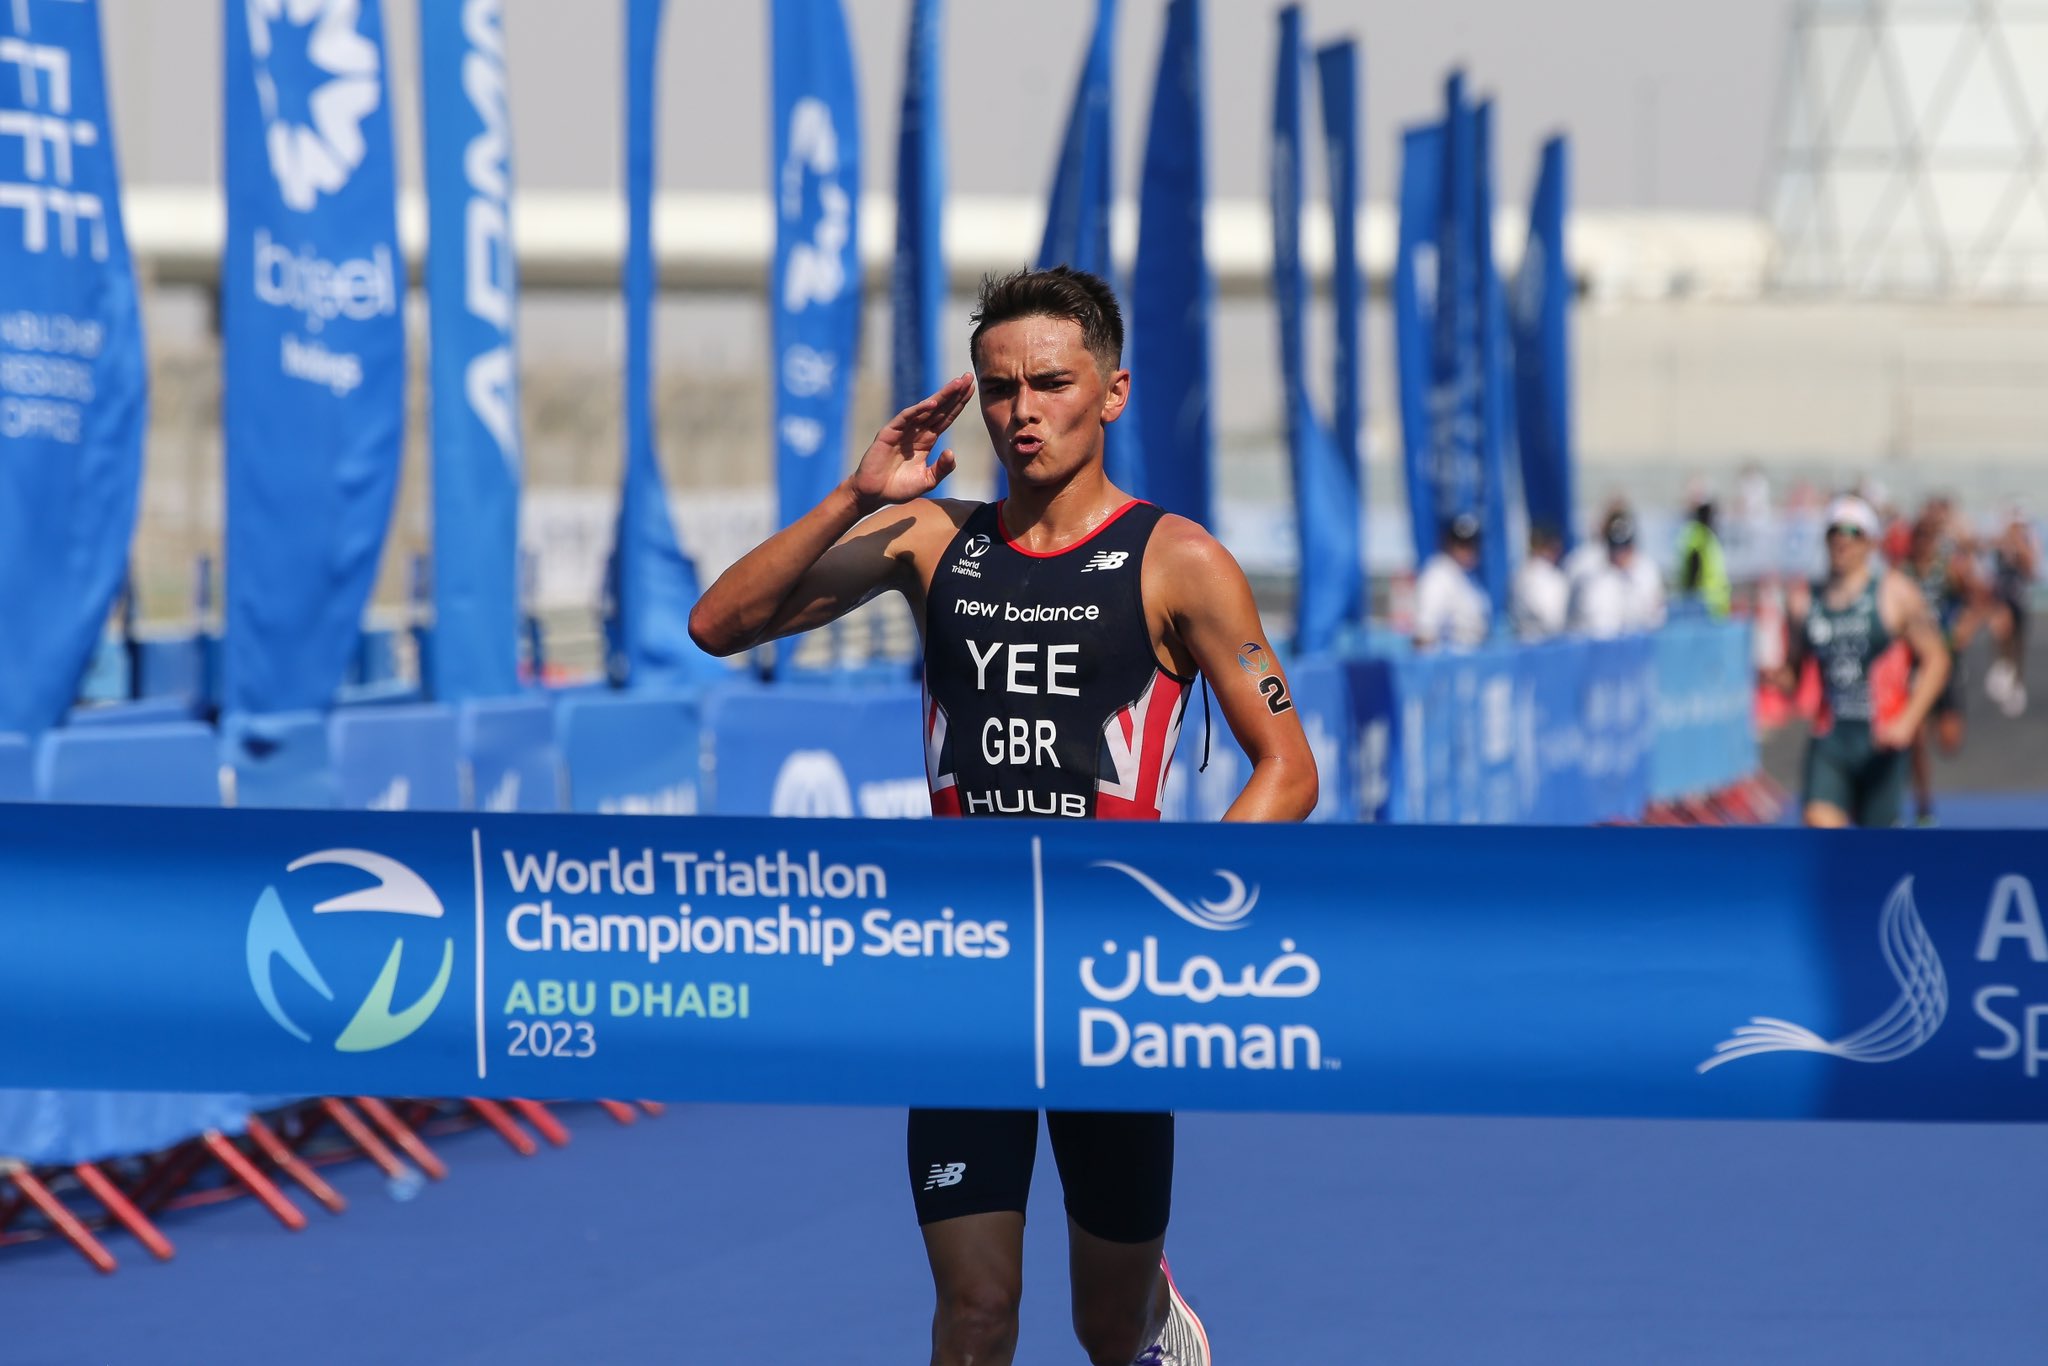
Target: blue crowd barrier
172, 764
509, 752
173, 666
147, 711
1706, 734
810, 750
69, 1127
279, 760
17, 769
633, 753
396, 758
108, 673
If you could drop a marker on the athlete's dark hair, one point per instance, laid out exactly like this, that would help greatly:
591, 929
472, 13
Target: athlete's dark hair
1061, 292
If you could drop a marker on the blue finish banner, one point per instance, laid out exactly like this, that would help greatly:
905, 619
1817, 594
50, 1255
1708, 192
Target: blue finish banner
816, 288
1414, 306
1008, 964
1338, 68
473, 296
1543, 362
1173, 295
312, 346
1497, 397
652, 583
73, 381
1457, 373
918, 287
1325, 493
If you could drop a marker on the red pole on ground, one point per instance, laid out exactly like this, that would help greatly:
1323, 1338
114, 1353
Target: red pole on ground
254, 1181
624, 1114
280, 1155
538, 1116
134, 1220
359, 1134
654, 1107
399, 1132
507, 1128
64, 1221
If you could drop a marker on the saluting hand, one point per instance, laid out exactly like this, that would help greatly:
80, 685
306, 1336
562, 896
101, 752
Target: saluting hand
895, 468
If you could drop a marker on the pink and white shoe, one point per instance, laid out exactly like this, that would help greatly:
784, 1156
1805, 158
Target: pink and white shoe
1183, 1341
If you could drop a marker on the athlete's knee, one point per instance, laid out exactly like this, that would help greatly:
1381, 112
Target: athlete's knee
976, 1320
1114, 1339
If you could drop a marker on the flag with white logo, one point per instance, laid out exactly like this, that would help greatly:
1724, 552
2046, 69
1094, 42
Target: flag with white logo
473, 293
919, 290
1497, 411
816, 287
313, 342
73, 386
1414, 306
1457, 375
1337, 69
1542, 332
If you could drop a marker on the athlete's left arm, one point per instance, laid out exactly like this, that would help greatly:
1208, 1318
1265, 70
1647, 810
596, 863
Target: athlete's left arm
1905, 612
1204, 619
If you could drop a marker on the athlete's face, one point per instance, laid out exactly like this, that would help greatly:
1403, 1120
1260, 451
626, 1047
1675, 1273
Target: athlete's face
1848, 549
1045, 398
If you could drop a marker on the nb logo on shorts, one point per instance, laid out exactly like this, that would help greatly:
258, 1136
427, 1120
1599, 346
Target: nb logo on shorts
945, 1174
1106, 559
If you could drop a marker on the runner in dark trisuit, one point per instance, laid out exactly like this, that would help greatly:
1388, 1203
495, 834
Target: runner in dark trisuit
1848, 624
1063, 629
1933, 562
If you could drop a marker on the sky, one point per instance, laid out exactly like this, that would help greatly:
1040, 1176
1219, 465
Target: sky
1670, 103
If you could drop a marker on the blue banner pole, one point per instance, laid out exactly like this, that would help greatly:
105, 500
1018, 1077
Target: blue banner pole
918, 296
312, 345
815, 293
1339, 68
1497, 413
1542, 346
653, 584
74, 402
473, 297
1172, 291
1414, 307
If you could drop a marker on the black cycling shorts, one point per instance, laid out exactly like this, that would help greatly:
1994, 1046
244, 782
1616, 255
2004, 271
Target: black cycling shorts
1116, 1168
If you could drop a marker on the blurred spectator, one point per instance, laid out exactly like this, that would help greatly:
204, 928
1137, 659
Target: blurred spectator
1702, 565
2015, 563
1543, 596
1450, 607
1621, 594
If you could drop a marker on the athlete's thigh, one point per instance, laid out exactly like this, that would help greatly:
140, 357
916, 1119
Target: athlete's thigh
1829, 791
1116, 1170
1881, 790
966, 1162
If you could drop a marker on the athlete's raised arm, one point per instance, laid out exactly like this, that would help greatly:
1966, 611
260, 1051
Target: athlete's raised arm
1214, 626
839, 554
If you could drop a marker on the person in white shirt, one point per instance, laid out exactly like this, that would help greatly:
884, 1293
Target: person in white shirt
1543, 596
1622, 594
1451, 609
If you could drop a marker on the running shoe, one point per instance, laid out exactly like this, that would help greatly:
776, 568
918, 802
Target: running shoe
1183, 1341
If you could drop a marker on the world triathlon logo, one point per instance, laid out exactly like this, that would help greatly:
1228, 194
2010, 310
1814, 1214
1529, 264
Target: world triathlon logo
317, 78
1227, 914
274, 938
1912, 1020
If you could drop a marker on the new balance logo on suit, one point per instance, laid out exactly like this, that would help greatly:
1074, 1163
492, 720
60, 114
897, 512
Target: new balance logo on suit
1105, 559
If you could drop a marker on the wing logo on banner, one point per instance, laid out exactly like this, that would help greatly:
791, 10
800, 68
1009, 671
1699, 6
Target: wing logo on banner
1227, 914
315, 149
1912, 1020
811, 783
817, 271
272, 936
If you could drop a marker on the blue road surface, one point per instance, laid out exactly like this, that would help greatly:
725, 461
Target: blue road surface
783, 1236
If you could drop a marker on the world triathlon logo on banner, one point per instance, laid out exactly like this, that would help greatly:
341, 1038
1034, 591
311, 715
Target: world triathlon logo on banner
317, 79
274, 938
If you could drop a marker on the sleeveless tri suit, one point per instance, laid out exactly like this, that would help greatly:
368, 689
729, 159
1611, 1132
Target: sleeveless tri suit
1862, 679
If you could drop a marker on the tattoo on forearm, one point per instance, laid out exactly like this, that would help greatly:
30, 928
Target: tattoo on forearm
1253, 659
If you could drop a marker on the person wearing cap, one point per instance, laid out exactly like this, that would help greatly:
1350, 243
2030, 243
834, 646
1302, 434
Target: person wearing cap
1543, 595
1848, 624
1620, 593
1451, 608
1702, 566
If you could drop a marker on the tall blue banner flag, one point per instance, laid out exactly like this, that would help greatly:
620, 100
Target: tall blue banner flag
1173, 295
918, 293
1326, 512
817, 285
473, 298
313, 343
1543, 365
1414, 306
1457, 400
1496, 556
73, 383
1338, 68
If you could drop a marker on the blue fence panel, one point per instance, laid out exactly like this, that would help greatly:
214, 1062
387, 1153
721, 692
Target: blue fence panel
173, 764
69, 1127
816, 751
172, 666
633, 753
396, 758
509, 751
17, 769
279, 760
1322, 698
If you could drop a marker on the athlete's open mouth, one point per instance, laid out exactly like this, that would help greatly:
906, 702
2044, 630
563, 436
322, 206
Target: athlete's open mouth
1026, 445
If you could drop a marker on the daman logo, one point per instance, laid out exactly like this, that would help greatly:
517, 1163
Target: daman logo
1912, 1020
273, 936
1227, 914
316, 157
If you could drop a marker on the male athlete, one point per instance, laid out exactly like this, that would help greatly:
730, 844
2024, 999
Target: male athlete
1856, 762
1946, 583
1063, 628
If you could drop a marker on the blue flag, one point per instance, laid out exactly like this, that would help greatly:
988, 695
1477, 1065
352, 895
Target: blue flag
473, 293
1457, 401
817, 286
1077, 220
1173, 295
1338, 68
1414, 306
73, 385
1325, 501
1496, 556
653, 584
313, 344
918, 287
1543, 362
